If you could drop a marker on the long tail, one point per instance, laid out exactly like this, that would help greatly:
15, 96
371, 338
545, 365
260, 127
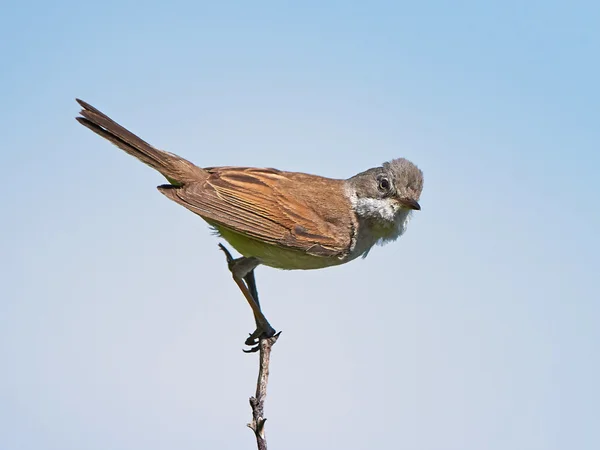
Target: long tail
176, 170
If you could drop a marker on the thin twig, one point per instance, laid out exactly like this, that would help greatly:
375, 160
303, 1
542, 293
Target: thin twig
258, 401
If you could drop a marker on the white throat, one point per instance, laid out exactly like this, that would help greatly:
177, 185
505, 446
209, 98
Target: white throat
379, 221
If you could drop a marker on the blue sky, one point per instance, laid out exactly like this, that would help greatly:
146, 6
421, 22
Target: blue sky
119, 324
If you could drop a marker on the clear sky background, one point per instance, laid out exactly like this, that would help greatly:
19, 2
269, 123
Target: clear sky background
120, 327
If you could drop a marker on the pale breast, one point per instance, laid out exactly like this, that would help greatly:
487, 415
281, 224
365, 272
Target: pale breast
276, 256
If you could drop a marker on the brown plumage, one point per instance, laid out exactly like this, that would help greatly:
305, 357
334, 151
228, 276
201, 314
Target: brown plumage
292, 211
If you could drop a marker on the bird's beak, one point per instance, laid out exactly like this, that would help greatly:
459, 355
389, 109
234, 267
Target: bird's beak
409, 203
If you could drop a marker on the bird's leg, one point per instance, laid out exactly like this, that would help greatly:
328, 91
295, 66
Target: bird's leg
242, 271
251, 283
263, 327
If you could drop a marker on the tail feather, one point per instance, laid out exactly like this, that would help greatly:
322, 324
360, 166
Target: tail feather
175, 169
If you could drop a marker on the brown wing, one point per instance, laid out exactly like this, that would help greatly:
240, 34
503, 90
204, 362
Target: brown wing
287, 209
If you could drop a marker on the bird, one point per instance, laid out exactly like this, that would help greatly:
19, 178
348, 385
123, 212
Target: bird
286, 220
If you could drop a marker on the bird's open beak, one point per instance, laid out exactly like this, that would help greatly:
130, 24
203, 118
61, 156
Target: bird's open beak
409, 203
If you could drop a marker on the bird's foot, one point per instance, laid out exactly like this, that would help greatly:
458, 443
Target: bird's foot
263, 332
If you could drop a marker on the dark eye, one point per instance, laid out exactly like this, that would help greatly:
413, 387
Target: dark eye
384, 184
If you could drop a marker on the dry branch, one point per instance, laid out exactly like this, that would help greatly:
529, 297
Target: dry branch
258, 401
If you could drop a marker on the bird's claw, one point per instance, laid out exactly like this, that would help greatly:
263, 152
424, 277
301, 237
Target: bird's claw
253, 340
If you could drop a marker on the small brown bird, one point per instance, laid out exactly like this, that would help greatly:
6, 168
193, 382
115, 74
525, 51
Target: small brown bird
286, 220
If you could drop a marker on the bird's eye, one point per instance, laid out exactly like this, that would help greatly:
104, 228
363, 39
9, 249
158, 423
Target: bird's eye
384, 184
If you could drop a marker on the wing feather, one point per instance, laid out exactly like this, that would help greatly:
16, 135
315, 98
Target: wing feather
287, 209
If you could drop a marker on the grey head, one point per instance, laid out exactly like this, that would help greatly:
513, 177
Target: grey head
383, 199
